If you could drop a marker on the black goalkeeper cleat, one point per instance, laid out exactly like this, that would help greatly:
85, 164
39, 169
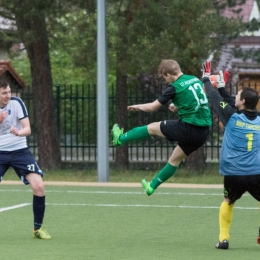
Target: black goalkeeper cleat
222, 245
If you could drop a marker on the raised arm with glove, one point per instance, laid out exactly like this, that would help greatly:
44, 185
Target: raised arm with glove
223, 109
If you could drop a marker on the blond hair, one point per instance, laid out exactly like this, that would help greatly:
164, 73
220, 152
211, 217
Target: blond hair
171, 67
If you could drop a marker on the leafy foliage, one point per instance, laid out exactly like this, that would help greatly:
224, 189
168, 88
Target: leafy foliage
73, 46
140, 33
183, 30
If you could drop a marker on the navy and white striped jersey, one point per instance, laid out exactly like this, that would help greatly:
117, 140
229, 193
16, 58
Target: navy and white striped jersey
16, 112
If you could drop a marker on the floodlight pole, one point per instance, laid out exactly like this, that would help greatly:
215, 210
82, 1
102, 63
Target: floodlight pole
102, 94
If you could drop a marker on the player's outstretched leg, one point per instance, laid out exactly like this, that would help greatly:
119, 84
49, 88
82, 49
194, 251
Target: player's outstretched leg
41, 234
135, 134
116, 132
147, 188
165, 173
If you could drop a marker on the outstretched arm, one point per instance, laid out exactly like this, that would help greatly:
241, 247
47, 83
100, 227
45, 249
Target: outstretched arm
227, 97
220, 85
167, 95
148, 107
223, 109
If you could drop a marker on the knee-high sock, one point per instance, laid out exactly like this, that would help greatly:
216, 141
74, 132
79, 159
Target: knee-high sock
225, 219
137, 133
166, 172
38, 211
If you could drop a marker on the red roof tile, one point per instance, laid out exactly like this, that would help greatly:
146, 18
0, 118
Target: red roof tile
245, 12
5, 66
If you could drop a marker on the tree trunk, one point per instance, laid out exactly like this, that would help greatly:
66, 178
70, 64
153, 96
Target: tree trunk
122, 160
196, 160
34, 35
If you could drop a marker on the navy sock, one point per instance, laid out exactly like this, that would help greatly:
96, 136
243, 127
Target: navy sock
38, 211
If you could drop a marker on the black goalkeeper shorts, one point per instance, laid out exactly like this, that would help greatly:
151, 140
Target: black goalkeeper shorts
188, 137
236, 186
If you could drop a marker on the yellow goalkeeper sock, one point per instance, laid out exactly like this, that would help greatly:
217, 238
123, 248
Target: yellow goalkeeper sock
225, 219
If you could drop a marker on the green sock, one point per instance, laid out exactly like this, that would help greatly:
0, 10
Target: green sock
137, 133
166, 172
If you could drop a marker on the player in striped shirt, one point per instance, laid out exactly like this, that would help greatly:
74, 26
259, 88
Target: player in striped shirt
14, 152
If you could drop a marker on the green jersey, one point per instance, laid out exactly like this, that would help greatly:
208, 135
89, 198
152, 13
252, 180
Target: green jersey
191, 100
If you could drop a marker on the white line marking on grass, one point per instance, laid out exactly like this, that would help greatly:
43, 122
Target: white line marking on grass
145, 206
142, 193
15, 190
14, 207
121, 184
125, 192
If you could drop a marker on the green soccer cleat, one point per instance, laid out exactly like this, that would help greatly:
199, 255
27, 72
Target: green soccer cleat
147, 188
116, 132
41, 234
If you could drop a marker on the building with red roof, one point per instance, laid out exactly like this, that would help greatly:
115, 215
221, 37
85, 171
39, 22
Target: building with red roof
243, 70
8, 73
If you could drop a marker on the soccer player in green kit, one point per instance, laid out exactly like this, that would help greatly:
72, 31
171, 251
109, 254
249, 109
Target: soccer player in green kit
190, 131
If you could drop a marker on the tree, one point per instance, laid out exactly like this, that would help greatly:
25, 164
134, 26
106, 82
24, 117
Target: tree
149, 31
141, 33
31, 27
73, 39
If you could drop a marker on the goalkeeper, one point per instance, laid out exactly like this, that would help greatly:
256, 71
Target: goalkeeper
240, 155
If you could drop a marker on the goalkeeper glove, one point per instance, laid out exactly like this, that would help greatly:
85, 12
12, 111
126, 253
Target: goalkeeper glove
226, 76
206, 69
220, 80
217, 80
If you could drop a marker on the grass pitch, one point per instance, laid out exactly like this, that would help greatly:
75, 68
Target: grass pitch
210, 175
119, 223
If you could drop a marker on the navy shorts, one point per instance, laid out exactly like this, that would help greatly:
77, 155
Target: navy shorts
188, 137
236, 186
22, 161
